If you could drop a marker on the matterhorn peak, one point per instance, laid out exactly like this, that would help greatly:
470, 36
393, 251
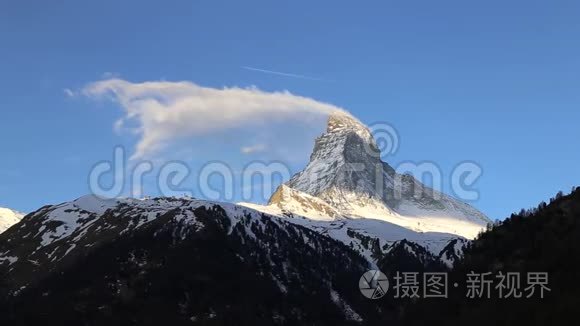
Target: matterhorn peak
346, 140
345, 162
346, 177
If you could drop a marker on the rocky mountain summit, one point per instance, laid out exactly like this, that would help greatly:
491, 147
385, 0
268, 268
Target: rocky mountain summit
345, 170
347, 192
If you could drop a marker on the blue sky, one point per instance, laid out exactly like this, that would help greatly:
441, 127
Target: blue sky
494, 82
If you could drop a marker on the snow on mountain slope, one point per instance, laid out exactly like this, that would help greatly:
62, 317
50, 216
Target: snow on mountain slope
54, 231
287, 200
71, 221
51, 239
292, 201
8, 218
360, 233
158, 248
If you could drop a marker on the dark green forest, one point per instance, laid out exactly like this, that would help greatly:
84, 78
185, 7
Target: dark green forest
543, 239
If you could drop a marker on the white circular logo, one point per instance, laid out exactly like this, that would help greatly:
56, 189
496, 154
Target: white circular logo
386, 138
373, 284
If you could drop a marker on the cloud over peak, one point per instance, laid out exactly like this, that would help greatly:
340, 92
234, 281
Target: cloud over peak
166, 112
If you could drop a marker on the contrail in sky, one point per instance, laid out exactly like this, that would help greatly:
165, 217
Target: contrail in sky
285, 74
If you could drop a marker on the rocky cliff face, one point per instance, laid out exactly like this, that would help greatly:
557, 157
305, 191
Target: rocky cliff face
346, 172
345, 160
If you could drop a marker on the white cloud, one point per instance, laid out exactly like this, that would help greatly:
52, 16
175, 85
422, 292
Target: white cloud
253, 149
162, 113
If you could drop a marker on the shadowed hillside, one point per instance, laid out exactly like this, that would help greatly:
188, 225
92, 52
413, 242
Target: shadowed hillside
543, 239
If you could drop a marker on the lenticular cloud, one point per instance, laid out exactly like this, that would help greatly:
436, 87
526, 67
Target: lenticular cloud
164, 112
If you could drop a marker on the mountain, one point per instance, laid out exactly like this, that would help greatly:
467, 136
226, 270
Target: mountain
8, 218
177, 261
347, 192
182, 261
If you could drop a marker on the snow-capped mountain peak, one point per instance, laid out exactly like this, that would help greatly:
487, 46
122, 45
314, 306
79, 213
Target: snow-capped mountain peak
344, 162
346, 179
